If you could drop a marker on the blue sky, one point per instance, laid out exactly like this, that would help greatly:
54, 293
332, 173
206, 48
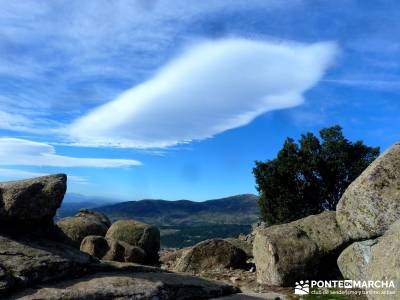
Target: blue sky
177, 99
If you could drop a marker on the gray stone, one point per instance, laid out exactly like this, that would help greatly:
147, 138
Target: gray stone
353, 261
372, 202
210, 254
385, 263
31, 201
303, 249
95, 245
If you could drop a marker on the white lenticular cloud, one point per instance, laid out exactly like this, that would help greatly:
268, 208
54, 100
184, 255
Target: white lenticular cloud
213, 87
21, 152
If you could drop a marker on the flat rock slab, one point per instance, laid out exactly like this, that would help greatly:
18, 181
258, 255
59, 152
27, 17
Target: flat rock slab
130, 285
26, 262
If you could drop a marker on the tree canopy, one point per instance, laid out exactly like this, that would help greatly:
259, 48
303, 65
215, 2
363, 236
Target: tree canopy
310, 176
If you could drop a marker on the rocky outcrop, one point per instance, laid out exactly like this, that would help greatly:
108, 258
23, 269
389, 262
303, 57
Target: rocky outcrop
353, 261
385, 261
36, 265
108, 249
76, 228
25, 261
372, 202
209, 254
31, 201
29, 250
306, 248
137, 234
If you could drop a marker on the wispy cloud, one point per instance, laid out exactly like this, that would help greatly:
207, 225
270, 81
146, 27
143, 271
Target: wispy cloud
367, 83
10, 174
21, 152
213, 87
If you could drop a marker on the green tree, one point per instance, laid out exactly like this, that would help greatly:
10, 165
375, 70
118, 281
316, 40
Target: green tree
310, 176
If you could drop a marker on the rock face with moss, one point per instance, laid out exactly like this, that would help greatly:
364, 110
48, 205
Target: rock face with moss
31, 201
108, 249
303, 249
137, 234
372, 202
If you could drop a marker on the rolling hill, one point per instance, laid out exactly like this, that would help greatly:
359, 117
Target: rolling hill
239, 210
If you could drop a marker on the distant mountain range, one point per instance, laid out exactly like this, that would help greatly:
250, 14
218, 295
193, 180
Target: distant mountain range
73, 202
239, 209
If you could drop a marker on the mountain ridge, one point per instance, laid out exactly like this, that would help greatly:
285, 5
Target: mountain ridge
239, 209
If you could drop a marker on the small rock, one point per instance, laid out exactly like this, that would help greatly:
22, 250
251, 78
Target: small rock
234, 279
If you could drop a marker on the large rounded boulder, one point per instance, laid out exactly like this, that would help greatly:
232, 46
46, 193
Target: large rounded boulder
75, 229
137, 234
32, 201
210, 254
108, 249
372, 202
304, 249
